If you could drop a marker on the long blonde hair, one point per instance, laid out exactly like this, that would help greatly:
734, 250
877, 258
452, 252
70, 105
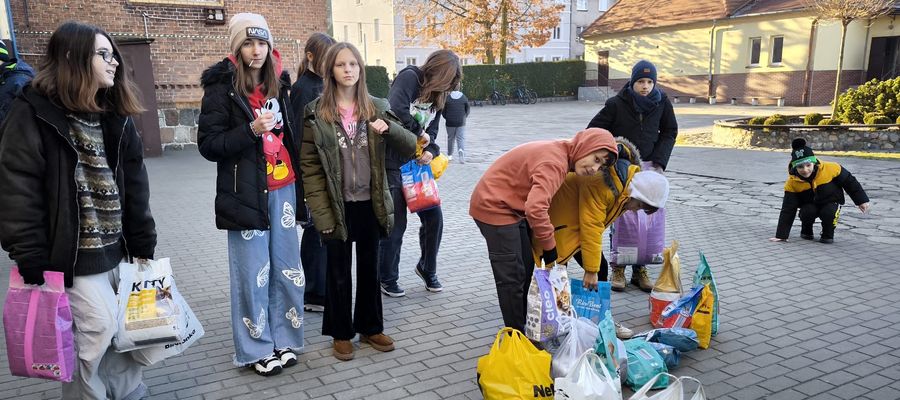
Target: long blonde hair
441, 74
245, 85
327, 108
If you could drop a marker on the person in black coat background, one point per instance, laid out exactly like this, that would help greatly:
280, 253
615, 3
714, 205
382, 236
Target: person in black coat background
307, 88
455, 113
642, 113
14, 74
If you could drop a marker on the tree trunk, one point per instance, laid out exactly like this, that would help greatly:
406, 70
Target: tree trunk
840, 67
504, 31
488, 46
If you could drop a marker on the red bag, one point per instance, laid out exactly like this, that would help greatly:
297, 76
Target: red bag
419, 186
667, 287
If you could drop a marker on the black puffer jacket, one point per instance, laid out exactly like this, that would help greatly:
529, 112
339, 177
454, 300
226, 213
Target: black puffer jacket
224, 137
653, 133
404, 91
39, 211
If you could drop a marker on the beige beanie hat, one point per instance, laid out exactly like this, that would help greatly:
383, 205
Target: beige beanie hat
245, 26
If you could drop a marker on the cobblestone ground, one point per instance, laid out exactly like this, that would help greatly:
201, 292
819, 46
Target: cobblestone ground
799, 319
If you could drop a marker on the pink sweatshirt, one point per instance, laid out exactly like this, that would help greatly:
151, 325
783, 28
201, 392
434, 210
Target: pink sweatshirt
522, 182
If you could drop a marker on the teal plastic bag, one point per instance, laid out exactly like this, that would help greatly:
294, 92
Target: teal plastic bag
644, 363
606, 344
704, 276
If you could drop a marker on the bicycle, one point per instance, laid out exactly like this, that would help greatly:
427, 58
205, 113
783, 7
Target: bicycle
524, 95
495, 96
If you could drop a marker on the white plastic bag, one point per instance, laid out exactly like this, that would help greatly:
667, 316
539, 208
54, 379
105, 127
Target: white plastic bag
588, 380
148, 313
581, 337
675, 390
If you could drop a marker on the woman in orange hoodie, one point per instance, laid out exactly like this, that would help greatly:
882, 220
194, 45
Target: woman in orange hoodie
511, 201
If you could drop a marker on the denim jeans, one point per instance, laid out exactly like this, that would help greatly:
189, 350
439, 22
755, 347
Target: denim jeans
267, 283
341, 320
430, 235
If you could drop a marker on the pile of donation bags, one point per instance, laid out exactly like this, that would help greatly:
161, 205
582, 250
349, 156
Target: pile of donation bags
581, 356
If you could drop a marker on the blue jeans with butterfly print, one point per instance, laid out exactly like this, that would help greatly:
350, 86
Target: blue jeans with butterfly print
267, 283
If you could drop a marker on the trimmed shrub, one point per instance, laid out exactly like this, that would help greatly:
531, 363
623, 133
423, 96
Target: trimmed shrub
829, 121
559, 78
775, 119
876, 118
377, 80
882, 97
812, 119
757, 120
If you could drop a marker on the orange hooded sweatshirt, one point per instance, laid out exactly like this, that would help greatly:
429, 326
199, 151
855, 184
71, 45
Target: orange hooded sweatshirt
522, 182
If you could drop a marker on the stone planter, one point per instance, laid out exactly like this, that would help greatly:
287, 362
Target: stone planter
737, 133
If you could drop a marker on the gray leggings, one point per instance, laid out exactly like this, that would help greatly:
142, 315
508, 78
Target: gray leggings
456, 135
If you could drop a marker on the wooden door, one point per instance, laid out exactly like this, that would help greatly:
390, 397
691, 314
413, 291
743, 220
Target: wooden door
603, 68
139, 67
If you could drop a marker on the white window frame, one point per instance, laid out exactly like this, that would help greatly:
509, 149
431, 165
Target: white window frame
538, 59
772, 56
557, 33
510, 60
411, 61
581, 5
556, 58
750, 51
346, 32
377, 35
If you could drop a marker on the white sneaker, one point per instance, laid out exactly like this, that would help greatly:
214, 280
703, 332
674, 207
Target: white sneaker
623, 332
450, 158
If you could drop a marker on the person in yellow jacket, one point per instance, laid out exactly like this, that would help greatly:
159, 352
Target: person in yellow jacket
586, 205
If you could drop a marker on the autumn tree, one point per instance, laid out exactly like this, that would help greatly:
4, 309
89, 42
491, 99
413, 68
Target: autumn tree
485, 28
845, 12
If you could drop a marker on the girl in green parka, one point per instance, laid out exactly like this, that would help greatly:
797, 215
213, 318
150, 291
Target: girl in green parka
342, 159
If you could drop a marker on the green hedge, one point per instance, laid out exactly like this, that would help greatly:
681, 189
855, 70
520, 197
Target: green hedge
881, 97
558, 78
377, 80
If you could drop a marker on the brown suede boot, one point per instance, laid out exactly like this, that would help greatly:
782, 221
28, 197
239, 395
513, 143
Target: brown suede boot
378, 341
641, 279
343, 350
617, 283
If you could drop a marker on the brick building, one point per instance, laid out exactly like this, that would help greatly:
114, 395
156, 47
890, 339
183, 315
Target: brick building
745, 50
177, 38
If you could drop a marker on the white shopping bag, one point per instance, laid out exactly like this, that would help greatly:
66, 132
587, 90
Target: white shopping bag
151, 311
588, 380
581, 336
675, 390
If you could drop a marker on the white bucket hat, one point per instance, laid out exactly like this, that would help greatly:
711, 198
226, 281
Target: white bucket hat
650, 187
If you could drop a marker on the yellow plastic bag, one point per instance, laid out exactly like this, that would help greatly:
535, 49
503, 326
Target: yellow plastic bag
515, 369
701, 322
439, 165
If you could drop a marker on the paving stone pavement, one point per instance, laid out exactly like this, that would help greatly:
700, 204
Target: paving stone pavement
799, 319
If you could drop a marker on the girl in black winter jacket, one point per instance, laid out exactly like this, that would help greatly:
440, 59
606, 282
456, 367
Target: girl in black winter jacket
307, 88
417, 97
74, 196
245, 127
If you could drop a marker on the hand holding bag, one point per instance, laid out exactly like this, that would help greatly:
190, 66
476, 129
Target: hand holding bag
590, 304
419, 186
514, 369
37, 322
588, 380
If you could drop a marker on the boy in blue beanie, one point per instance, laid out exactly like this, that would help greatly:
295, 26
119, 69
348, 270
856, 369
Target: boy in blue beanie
641, 113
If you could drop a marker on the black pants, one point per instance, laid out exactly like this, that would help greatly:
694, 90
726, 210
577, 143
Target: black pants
603, 273
430, 235
828, 213
312, 256
366, 318
509, 249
